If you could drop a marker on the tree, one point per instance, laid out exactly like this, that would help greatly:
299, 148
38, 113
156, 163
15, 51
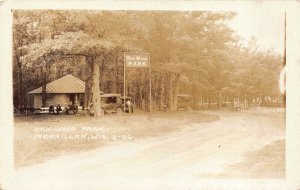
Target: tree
187, 41
190, 51
75, 43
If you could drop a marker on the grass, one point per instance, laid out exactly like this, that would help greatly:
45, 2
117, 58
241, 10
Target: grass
268, 162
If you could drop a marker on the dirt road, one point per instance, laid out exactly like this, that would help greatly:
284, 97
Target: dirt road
238, 145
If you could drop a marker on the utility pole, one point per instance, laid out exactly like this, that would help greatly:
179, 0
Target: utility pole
284, 55
284, 58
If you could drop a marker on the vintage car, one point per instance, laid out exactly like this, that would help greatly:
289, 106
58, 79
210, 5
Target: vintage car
110, 103
71, 109
184, 102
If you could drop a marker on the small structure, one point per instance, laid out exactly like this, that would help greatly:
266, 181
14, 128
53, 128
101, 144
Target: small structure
184, 102
67, 90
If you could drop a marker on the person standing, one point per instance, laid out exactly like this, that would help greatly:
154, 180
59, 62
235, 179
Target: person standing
129, 106
58, 109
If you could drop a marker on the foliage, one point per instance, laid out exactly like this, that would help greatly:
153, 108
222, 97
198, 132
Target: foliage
191, 52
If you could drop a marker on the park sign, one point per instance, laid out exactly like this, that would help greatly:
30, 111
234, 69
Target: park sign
137, 59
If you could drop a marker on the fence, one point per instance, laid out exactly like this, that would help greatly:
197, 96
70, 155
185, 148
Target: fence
238, 106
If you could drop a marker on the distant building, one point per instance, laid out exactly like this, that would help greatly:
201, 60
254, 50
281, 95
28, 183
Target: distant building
64, 91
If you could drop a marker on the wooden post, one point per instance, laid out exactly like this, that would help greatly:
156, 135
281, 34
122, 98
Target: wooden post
124, 92
284, 58
150, 104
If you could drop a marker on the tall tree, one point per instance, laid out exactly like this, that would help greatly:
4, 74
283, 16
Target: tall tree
78, 44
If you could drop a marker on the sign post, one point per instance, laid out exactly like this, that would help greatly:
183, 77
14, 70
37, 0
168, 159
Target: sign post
124, 86
137, 60
150, 104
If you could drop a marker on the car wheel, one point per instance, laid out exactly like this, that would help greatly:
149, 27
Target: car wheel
102, 112
119, 111
87, 112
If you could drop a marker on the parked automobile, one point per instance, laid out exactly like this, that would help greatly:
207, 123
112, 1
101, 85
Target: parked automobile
71, 109
110, 103
184, 102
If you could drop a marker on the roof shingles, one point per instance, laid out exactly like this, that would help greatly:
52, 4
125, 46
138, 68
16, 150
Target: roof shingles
66, 84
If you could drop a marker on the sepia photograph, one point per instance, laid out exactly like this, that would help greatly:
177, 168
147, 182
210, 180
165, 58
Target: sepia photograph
147, 99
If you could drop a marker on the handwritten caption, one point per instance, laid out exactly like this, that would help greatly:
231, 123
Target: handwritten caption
73, 133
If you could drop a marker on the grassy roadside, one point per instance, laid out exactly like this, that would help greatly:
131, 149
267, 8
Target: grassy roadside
268, 162
80, 133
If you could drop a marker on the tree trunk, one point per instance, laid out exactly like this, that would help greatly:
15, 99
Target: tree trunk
87, 94
20, 86
175, 86
96, 87
209, 100
88, 81
170, 93
162, 93
195, 95
115, 85
146, 92
140, 92
175, 98
45, 81
159, 93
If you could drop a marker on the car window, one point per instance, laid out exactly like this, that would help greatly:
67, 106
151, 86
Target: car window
111, 100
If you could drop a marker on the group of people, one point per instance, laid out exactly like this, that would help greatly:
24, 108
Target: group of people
128, 106
58, 109
67, 109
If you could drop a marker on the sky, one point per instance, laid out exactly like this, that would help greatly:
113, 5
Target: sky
266, 26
